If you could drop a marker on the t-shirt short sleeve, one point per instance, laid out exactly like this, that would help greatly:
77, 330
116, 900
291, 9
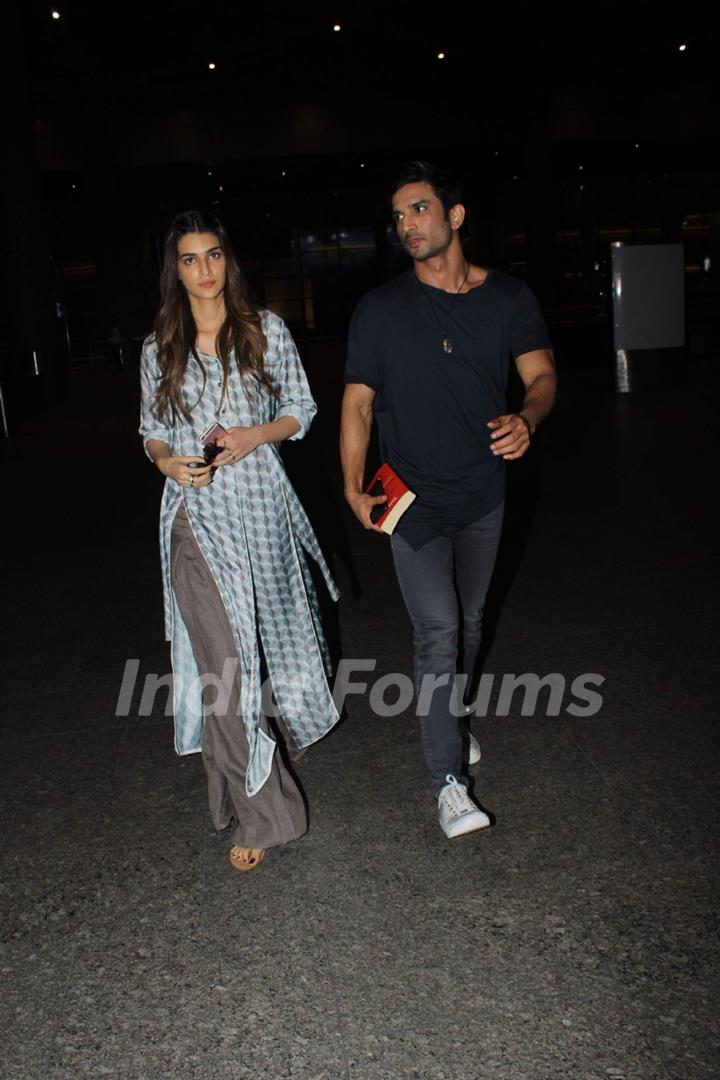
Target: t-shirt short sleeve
527, 325
362, 364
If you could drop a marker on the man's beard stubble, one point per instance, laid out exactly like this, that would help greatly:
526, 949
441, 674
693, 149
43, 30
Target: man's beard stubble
431, 253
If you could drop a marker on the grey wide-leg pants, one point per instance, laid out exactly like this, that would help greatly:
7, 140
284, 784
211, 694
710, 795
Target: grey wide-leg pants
276, 814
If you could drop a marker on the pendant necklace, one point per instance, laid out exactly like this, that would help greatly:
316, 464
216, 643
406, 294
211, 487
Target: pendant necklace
447, 345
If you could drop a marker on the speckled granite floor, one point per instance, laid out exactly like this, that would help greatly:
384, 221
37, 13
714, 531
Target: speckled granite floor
576, 939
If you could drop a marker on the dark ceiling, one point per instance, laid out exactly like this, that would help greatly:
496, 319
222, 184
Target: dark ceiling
157, 54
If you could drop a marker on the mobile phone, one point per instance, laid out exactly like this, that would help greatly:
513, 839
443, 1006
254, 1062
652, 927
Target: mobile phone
212, 433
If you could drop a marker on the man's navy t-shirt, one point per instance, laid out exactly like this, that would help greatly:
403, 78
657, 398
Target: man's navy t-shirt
432, 407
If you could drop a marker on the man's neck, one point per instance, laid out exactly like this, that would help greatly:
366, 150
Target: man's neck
447, 271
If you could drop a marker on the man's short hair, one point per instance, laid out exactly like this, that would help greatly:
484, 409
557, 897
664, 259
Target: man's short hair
447, 185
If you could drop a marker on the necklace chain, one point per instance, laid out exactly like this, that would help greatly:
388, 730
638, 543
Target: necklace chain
447, 345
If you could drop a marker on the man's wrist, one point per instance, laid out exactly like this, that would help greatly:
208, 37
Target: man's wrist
528, 423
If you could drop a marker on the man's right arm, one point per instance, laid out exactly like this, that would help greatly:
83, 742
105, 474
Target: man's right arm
355, 429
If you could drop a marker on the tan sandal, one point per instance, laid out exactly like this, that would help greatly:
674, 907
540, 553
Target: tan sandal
240, 860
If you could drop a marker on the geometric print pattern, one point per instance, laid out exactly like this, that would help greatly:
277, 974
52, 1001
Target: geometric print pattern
254, 535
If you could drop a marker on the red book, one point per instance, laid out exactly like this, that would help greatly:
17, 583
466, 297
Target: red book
399, 496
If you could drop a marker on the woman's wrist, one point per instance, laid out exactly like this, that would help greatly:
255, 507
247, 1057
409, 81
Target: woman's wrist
528, 423
279, 430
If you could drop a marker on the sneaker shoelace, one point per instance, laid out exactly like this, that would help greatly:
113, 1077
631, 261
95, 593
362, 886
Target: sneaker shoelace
456, 799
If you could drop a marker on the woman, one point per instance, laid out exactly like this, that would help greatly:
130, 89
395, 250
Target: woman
239, 600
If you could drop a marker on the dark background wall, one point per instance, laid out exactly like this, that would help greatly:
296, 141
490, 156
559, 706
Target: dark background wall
575, 128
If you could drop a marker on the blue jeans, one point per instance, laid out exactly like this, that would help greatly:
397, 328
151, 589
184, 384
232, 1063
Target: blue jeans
446, 581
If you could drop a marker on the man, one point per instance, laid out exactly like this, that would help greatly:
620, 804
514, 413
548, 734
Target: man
428, 357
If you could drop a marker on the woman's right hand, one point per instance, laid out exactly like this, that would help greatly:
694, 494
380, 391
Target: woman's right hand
187, 471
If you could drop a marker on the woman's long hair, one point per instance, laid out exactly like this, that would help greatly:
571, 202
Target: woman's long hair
175, 330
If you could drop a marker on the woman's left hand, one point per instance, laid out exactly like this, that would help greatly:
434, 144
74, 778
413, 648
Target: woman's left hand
237, 443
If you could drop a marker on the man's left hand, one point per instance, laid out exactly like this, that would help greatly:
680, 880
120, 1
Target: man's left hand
510, 436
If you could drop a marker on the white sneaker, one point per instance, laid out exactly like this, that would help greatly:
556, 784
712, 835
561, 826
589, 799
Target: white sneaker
458, 813
474, 751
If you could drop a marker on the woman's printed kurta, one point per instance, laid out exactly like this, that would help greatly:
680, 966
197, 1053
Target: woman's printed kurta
253, 532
